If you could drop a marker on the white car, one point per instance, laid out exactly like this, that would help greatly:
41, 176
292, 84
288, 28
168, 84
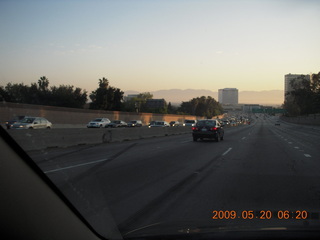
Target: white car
159, 124
98, 123
189, 123
32, 123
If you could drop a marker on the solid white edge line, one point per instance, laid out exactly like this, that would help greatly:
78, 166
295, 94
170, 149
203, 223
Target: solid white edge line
74, 166
226, 152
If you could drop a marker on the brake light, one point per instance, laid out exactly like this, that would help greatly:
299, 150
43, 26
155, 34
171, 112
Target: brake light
194, 128
214, 129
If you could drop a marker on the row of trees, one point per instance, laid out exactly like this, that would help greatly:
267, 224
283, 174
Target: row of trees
305, 97
105, 97
41, 93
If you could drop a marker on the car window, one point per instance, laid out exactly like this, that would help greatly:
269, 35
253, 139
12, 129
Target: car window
28, 120
189, 121
206, 123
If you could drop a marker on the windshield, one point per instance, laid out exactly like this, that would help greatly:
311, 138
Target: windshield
253, 66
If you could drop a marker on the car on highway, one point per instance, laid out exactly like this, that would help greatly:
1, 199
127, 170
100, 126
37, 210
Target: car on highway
32, 123
174, 124
116, 124
233, 123
277, 123
159, 124
14, 120
135, 123
189, 122
151, 123
208, 129
98, 123
226, 121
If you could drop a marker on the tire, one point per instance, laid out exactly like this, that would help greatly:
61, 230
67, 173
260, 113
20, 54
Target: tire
218, 137
221, 138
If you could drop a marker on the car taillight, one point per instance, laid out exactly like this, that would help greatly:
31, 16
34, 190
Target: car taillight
214, 129
194, 128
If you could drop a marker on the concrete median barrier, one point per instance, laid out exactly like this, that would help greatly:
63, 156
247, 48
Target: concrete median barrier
38, 139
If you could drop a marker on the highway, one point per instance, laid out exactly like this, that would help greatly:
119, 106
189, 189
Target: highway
258, 167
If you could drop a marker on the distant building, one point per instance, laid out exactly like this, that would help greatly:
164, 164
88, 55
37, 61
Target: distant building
250, 107
289, 79
228, 96
155, 103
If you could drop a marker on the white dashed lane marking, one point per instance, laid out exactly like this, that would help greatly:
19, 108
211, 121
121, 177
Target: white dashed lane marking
74, 166
296, 147
226, 152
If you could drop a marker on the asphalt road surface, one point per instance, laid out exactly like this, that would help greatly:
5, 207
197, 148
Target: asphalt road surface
261, 167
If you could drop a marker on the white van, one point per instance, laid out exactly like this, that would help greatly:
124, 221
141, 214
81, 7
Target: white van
189, 123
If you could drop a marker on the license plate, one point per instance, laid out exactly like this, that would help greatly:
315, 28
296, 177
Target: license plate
203, 129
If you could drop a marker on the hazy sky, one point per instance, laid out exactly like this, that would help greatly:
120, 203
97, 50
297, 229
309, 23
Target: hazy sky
148, 45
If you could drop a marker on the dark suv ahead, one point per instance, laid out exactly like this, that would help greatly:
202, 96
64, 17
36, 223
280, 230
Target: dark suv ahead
208, 129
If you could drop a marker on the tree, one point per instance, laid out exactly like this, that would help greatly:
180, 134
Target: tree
43, 83
202, 106
17, 93
172, 109
138, 103
67, 96
305, 97
106, 97
315, 88
3, 94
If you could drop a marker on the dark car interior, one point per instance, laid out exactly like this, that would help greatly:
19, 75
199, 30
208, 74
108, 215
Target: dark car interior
31, 206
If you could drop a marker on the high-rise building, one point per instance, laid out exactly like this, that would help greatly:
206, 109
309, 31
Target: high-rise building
290, 79
228, 96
